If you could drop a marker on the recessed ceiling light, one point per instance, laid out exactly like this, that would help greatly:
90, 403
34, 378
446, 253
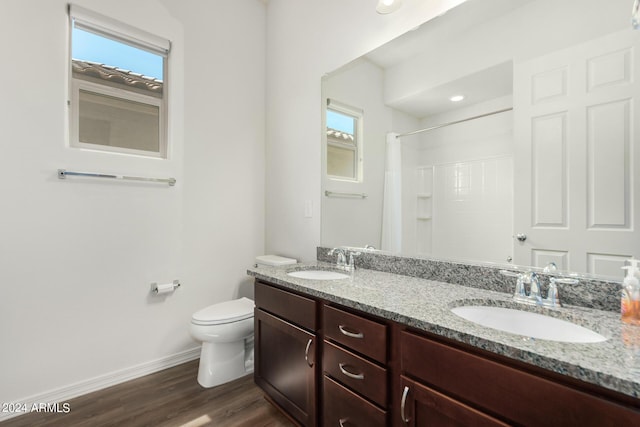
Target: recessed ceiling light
388, 6
456, 98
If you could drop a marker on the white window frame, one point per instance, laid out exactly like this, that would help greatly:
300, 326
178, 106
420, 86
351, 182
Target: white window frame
357, 146
77, 85
123, 33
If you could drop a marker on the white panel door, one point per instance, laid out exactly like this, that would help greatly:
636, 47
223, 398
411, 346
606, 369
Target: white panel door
575, 182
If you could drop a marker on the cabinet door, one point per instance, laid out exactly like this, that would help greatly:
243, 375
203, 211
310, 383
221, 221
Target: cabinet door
516, 395
422, 406
285, 366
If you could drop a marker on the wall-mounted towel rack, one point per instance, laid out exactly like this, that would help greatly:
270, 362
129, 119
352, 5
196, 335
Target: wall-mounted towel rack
340, 194
63, 173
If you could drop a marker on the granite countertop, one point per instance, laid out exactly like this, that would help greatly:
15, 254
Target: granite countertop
426, 305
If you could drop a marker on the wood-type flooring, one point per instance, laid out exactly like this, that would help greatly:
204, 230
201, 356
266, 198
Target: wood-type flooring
169, 398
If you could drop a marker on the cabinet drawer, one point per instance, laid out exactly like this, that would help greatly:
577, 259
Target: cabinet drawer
362, 335
292, 307
343, 407
359, 374
517, 395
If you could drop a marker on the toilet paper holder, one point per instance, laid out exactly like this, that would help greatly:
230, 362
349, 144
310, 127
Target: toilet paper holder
164, 288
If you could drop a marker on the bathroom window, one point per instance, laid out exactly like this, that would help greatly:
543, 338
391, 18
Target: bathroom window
344, 141
118, 86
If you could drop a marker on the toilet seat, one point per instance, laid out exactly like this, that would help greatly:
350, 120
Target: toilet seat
224, 312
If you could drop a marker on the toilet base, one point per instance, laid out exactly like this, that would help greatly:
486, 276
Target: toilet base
221, 363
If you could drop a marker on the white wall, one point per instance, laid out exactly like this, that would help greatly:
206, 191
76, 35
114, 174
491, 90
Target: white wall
301, 47
360, 85
77, 256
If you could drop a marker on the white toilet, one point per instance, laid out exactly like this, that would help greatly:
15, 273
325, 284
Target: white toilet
226, 332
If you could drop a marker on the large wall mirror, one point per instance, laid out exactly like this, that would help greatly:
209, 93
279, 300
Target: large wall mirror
531, 154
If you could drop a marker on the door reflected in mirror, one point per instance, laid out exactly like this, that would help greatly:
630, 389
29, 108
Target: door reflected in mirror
555, 164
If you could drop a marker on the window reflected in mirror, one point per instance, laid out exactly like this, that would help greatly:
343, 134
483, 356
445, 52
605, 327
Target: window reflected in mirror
343, 141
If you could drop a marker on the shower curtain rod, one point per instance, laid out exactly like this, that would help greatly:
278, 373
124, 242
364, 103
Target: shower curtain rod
454, 123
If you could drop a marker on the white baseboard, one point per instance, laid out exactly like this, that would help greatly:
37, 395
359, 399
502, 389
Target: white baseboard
66, 393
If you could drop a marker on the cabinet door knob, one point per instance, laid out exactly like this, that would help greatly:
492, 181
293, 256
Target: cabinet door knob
403, 405
350, 374
306, 353
350, 334
342, 421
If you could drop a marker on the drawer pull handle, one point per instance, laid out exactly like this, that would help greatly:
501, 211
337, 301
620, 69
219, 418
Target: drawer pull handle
342, 421
306, 353
350, 334
350, 374
403, 404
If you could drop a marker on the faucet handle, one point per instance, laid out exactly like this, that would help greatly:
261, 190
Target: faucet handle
565, 280
352, 264
521, 279
553, 298
341, 260
509, 273
339, 251
521, 290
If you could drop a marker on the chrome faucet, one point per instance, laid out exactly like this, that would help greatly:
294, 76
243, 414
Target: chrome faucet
534, 295
341, 262
522, 280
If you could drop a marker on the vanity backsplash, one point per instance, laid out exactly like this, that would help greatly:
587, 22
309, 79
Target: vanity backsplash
590, 292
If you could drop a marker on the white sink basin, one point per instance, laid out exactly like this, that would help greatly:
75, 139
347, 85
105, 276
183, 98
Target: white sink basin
528, 324
318, 275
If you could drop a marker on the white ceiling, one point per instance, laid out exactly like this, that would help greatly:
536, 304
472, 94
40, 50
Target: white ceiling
432, 33
478, 87
493, 82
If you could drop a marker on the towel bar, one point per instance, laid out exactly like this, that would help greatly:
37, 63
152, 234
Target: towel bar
63, 173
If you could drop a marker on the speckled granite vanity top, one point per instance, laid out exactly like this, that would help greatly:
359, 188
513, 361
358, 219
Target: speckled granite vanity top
426, 305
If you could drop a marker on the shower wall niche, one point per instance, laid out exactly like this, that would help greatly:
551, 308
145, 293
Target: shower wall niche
424, 209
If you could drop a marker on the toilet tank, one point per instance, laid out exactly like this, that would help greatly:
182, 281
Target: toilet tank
274, 260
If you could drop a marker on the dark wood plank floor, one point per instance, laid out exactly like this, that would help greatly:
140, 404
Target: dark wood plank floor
170, 398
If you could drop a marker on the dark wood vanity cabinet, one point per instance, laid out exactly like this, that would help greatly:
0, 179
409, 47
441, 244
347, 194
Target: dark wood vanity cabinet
319, 363
286, 349
328, 365
447, 380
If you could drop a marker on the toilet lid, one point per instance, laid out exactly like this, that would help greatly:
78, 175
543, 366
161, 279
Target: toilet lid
224, 312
